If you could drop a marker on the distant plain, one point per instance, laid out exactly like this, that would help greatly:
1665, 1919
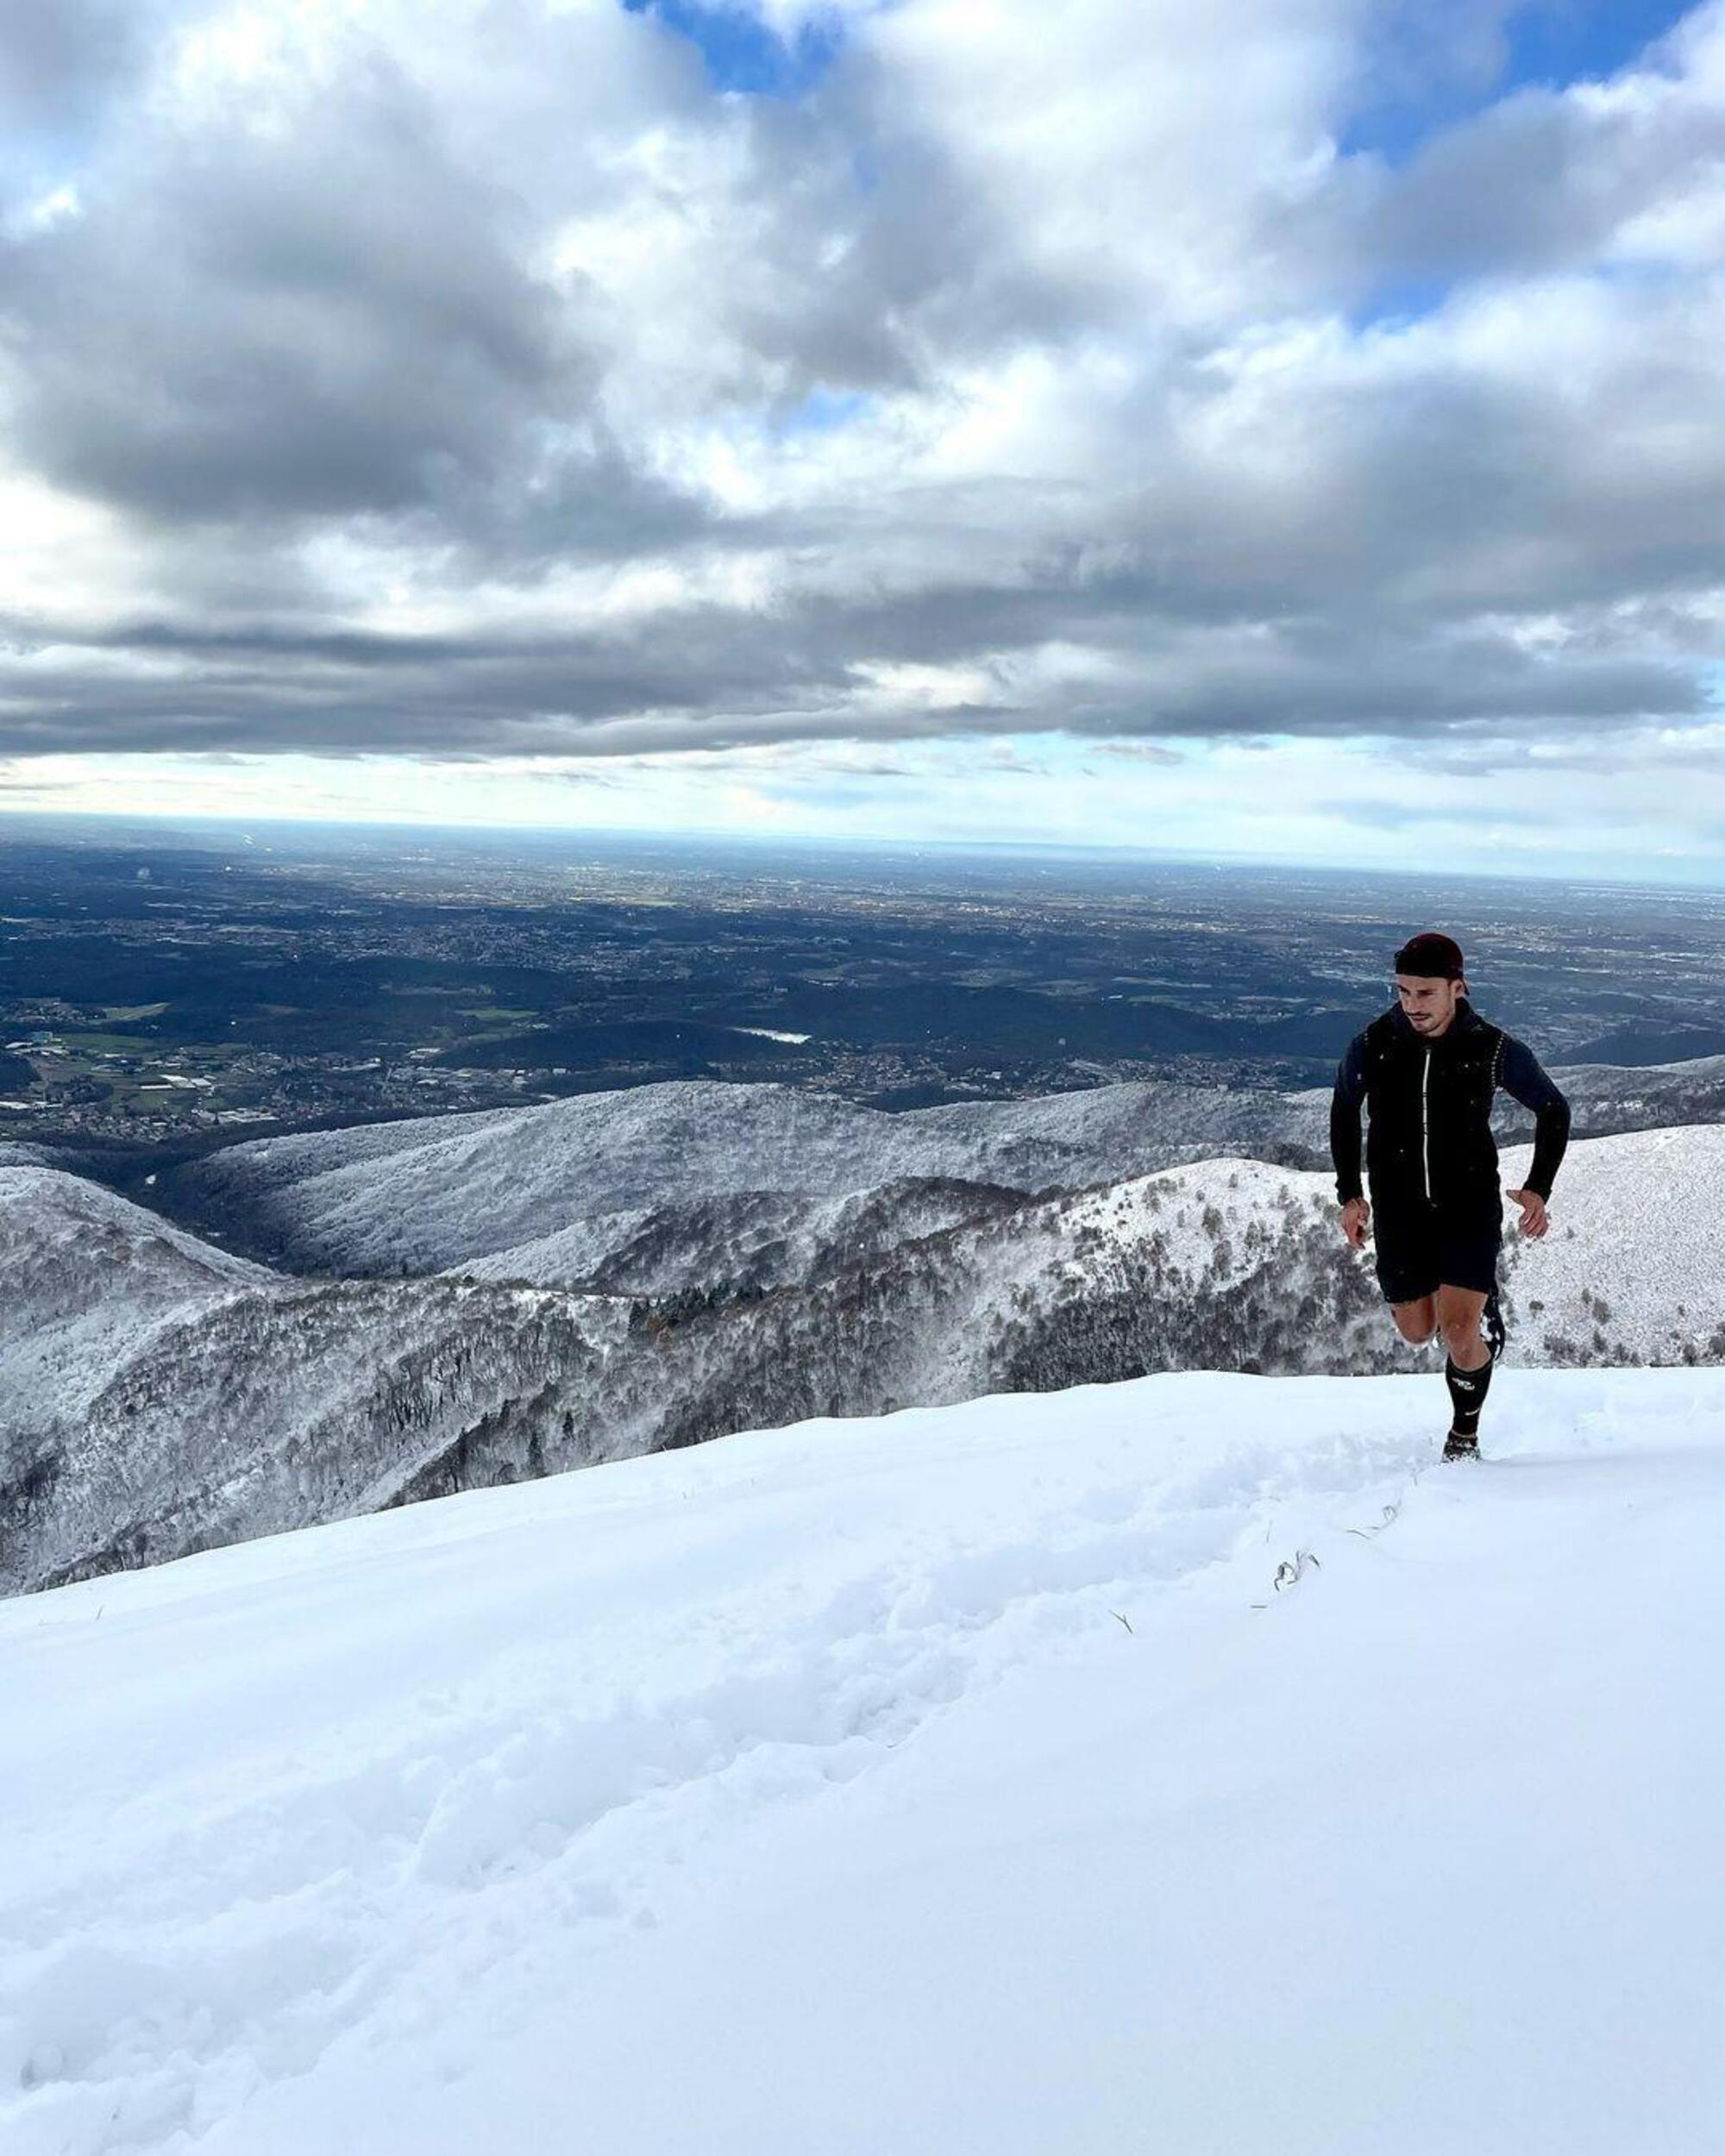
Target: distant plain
164, 990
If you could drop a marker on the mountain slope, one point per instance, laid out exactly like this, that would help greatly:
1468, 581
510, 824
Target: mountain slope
450, 1191
65, 1246
1633, 1268
425, 1196
263, 1403
655, 1807
1612, 1097
157, 1396
748, 1243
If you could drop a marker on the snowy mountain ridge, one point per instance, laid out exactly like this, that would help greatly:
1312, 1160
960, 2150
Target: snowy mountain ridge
427, 1195
255, 1401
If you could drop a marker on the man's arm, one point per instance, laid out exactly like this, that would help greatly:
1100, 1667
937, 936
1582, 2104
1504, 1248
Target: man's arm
1344, 1106
1520, 1072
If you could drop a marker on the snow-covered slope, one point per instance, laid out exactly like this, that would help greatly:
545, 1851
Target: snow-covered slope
1611, 1097
1633, 1268
294, 1403
748, 1243
1630, 1273
450, 1190
422, 1196
960, 1781
157, 1394
84, 1279
279, 1403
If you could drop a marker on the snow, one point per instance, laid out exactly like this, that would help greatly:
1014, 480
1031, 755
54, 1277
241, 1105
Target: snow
953, 1781
157, 1396
89, 1280
1633, 1263
448, 1191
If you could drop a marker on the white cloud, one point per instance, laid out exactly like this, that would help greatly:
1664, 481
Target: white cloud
477, 380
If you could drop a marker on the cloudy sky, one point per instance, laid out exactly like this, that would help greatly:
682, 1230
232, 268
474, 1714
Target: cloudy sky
1280, 427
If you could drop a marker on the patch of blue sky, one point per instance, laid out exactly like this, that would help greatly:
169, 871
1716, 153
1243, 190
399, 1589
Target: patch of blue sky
1405, 300
1546, 44
36, 160
822, 411
1558, 41
1395, 305
744, 54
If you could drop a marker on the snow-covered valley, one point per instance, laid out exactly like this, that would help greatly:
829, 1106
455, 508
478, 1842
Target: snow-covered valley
958, 1780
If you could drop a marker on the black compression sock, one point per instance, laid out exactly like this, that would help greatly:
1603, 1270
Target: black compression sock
1467, 1394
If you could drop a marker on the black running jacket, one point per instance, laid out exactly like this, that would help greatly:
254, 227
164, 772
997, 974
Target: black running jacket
1429, 1103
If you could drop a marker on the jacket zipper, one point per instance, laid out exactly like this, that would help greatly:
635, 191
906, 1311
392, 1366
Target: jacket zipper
1425, 1123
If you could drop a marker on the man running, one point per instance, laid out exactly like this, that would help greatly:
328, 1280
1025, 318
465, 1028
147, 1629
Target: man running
1427, 1068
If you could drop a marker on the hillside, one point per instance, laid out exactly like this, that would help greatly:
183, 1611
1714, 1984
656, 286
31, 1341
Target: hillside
1633, 1267
746, 1242
157, 1396
214, 1401
655, 1807
424, 1196
86, 1279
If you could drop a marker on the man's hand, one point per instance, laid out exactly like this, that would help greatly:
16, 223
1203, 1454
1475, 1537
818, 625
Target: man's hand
1355, 1214
1534, 1219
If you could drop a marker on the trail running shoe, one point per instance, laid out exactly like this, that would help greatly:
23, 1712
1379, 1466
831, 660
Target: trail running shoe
1458, 1447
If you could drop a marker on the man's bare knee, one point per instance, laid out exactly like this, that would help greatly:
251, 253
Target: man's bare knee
1416, 1321
1458, 1320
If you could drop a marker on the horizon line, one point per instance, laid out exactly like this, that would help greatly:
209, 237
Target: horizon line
1120, 850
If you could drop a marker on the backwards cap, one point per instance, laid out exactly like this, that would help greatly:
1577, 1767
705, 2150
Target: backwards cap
1430, 955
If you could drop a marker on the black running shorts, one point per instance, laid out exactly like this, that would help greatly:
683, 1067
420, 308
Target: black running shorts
1419, 1247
